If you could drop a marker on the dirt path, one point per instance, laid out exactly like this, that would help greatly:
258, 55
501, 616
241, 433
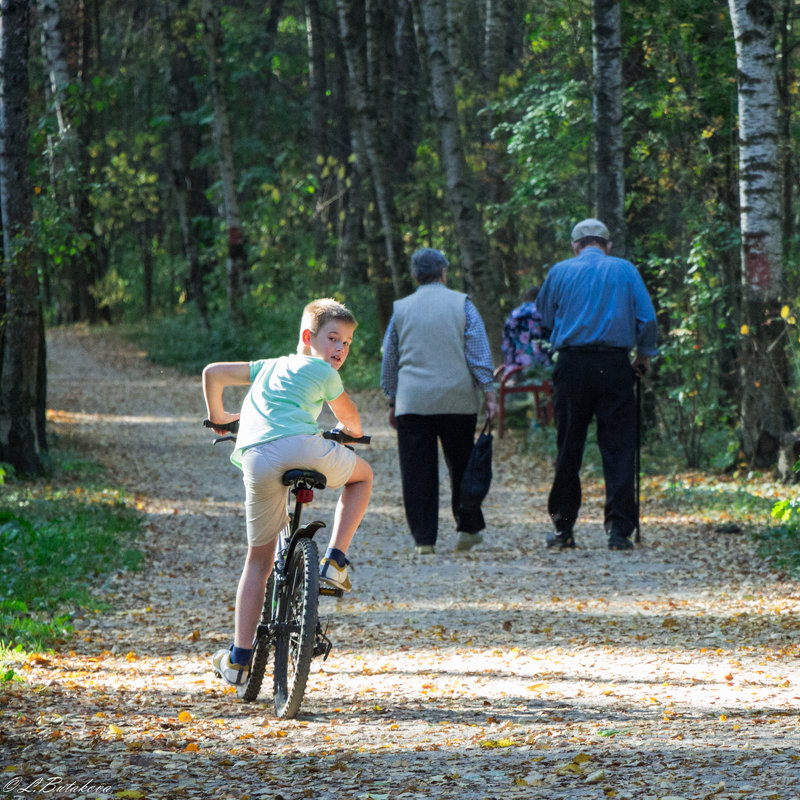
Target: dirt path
506, 672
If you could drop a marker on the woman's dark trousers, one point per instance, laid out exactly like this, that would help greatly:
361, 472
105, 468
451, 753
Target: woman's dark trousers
417, 442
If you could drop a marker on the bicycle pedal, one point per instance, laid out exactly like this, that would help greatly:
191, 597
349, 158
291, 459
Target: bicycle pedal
323, 648
331, 591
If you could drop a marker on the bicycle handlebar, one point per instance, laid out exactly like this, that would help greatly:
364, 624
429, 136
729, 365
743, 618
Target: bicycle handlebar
338, 435
233, 427
335, 434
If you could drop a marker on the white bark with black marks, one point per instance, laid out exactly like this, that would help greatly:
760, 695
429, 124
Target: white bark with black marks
755, 33
607, 113
765, 411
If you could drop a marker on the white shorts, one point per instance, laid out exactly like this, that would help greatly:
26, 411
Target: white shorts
263, 467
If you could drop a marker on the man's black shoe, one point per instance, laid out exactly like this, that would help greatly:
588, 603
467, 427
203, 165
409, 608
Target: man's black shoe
616, 541
562, 540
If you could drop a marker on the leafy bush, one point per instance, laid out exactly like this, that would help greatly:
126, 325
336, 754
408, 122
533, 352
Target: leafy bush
781, 544
694, 402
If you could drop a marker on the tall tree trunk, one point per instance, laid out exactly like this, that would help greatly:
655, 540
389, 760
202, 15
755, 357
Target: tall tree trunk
351, 183
93, 266
236, 261
500, 58
467, 220
497, 13
607, 112
176, 61
66, 155
317, 91
21, 365
786, 84
765, 413
352, 15
55, 61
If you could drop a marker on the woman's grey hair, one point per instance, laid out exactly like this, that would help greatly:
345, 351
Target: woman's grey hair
427, 265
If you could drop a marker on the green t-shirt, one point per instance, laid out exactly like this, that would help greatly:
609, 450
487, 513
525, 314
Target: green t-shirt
285, 398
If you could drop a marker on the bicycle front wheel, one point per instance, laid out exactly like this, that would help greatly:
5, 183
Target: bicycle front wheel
294, 646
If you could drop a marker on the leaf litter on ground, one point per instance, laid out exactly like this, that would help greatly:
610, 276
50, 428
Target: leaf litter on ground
507, 671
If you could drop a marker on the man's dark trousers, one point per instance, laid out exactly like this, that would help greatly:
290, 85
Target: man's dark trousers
595, 383
417, 443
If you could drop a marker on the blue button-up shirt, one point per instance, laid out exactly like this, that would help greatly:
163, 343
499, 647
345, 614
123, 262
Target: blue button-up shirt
598, 300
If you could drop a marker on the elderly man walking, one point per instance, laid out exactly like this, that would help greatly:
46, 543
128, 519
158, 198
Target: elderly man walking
598, 310
436, 365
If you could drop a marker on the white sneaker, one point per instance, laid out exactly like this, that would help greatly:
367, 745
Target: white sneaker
234, 674
331, 574
467, 541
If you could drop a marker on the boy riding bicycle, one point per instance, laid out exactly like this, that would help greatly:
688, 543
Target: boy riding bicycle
278, 431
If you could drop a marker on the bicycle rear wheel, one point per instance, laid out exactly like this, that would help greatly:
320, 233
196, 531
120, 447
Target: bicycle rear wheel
258, 663
294, 646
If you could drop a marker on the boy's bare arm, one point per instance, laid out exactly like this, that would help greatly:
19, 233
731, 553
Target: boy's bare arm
215, 378
346, 412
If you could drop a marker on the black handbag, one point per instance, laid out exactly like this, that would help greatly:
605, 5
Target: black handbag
478, 473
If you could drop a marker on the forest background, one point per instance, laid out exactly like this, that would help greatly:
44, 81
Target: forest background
198, 171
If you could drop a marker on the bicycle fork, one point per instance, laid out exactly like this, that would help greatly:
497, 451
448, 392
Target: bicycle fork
274, 628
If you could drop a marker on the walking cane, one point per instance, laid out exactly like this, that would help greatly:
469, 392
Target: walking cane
638, 464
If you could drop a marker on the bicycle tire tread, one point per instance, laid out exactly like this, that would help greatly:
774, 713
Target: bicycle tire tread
288, 692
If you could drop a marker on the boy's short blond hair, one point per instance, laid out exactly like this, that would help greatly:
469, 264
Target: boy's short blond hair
319, 313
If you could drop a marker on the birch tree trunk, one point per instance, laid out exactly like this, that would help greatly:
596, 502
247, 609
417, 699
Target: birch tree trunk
497, 12
764, 410
461, 192
65, 153
786, 85
55, 61
236, 260
175, 64
607, 114
21, 332
351, 23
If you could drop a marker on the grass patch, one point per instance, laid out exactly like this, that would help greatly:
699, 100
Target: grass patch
707, 496
55, 543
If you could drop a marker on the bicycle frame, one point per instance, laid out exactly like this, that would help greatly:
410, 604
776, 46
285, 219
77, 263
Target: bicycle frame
303, 490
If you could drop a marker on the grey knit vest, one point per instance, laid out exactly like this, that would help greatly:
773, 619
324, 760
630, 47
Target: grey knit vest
433, 375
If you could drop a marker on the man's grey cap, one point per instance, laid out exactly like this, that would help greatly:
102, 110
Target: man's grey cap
590, 227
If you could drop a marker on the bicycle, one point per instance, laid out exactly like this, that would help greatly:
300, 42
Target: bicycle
290, 621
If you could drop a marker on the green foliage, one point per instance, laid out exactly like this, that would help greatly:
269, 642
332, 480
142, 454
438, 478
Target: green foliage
547, 131
695, 406
781, 543
54, 543
731, 499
